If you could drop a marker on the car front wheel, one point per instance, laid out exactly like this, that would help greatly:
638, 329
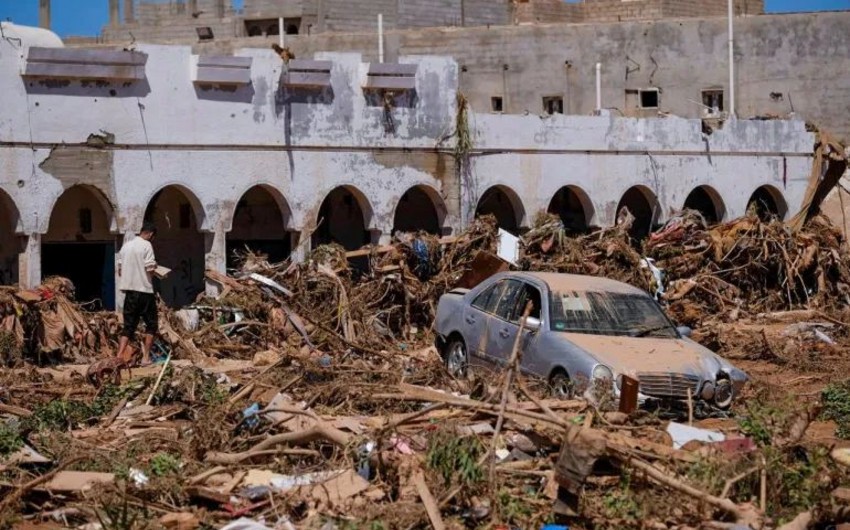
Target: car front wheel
457, 361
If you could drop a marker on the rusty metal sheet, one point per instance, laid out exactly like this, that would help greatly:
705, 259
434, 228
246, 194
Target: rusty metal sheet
482, 267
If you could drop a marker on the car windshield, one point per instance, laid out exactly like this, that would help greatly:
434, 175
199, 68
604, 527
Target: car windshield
607, 313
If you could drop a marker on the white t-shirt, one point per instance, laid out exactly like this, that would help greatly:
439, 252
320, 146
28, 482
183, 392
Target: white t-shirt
135, 259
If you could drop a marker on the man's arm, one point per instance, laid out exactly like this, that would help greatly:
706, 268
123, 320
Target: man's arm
150, 261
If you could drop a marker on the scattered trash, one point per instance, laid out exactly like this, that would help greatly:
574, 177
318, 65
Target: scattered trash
138, 477
312, 395
682, 434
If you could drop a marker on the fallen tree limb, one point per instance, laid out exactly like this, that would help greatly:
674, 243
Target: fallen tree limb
18, 493
415, 393
16, 411
513, 368
317, 432
742, 515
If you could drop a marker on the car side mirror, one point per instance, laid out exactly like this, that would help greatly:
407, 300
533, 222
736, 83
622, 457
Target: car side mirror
685, 331
532, 324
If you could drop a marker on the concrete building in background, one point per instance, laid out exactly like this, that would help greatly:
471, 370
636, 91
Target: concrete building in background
152, 20
656, 57
242, 150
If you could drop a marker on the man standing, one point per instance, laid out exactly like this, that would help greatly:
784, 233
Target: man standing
136, 265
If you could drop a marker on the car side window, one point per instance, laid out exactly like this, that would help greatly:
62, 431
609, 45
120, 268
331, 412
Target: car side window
486, 300
508, 300
531, 294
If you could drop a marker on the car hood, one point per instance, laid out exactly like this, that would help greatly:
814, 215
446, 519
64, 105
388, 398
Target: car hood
630, 355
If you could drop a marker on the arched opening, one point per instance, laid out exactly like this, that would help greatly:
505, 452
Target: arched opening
343, 219
178, 245
418, 210
706, 201
644, 207
259, 225
505, 205
573, 206
80, 245
767, 203
292, 29
9, 241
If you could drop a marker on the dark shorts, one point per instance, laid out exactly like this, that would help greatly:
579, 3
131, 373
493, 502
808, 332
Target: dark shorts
139, 306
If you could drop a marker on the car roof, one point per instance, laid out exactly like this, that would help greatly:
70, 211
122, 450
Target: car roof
577, 282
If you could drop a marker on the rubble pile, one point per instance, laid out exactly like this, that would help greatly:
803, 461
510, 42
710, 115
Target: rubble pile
46, 325
746, 266
309, 396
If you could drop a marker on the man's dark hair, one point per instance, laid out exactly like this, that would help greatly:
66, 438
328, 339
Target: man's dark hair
148, 226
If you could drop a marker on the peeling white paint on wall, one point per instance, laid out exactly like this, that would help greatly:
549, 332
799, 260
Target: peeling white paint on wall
215, 145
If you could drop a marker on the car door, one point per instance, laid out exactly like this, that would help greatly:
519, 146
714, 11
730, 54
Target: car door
504, 325
500, 329
475, 318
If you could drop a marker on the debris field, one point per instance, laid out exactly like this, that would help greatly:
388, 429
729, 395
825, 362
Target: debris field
310, 395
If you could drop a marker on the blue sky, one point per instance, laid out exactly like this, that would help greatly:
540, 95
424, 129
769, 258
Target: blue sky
87, 17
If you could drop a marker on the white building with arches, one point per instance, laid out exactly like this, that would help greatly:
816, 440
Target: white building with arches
225, 153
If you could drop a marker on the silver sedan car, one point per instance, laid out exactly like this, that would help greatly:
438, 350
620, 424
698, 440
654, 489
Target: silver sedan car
583, 333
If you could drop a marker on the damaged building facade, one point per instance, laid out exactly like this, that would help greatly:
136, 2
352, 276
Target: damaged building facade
229, 152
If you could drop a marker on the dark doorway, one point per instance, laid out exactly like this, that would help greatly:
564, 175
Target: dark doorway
569, 205
497, 201
9, 241
341, 221
643, 205
767, 204
705, 201
416, 211
89, 266
178, 245
80, 246
259, 227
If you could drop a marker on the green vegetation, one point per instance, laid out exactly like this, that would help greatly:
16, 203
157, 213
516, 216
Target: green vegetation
619, 504
164, 464
455, 458
836, 407
10, 439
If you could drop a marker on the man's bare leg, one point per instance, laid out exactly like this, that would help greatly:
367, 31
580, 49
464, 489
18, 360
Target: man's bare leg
147, 345
123, 342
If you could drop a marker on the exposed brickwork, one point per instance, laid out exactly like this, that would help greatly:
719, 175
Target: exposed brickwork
163, 22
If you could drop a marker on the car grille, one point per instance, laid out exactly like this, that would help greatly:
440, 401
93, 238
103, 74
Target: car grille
667, 385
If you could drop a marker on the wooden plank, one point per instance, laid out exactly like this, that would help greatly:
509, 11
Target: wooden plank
85, 71
223, 76
224, 61
83, 56
431, 506
391, 83
393, 69
307, 79
445, 240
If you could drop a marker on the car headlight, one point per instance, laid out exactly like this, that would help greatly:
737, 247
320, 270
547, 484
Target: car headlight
600, 371
723, 393
707, 392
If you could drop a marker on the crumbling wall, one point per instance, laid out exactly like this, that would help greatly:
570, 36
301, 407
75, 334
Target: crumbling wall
547, 12
215, 144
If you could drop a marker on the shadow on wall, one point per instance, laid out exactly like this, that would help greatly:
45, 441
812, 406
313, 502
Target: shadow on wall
406, 99
231, 94
306, 96
96, 89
